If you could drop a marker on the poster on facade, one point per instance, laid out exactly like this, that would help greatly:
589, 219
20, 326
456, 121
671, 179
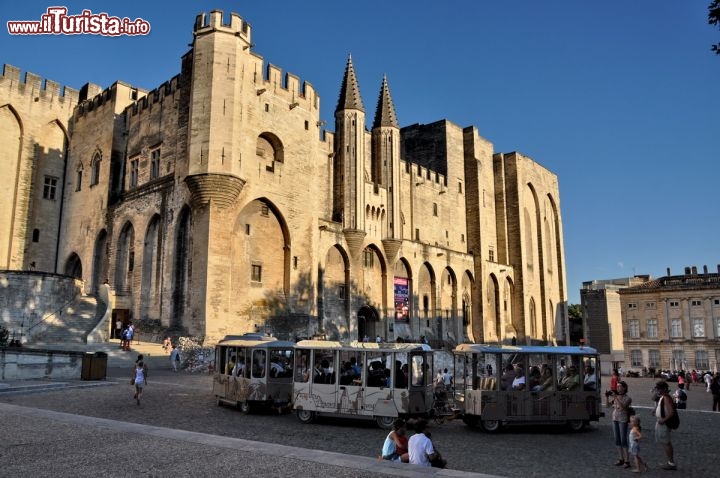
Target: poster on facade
402, 296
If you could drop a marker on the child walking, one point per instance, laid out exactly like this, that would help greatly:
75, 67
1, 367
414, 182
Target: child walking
634, 444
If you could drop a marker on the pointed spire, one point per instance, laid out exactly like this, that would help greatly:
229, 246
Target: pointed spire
350, 91
385, 112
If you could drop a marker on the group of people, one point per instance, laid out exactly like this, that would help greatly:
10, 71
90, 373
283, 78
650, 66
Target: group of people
126, 335
627, 429
417, 450
541, 378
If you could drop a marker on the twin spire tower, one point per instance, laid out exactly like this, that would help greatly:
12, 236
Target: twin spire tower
352, 164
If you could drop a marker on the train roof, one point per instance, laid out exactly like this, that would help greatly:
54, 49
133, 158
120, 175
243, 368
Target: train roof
525, 349
254, 340
355, 345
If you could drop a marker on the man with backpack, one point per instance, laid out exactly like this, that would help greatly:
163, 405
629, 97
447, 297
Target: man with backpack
680, 397
666, 420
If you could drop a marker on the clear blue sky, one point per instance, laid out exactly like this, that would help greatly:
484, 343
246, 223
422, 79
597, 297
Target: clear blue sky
618, 98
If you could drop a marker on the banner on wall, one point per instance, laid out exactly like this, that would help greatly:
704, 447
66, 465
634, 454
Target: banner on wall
402, 299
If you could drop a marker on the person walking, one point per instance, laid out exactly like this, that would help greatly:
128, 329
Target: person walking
621, 403
175, 358
118, 329
663, 412
139, 380
715, 390
707, 378
125, 339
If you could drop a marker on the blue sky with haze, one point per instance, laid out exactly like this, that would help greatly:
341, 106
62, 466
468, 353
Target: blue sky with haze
619, 99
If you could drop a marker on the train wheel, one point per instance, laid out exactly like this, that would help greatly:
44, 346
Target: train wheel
576, 425
305, 416
385, 422
245, 408
490, 426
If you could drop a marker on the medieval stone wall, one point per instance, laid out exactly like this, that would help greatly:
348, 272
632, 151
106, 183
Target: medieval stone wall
34, 115
217, 204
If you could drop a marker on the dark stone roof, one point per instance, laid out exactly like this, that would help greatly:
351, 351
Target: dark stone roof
385, 112
350, 91
683, 282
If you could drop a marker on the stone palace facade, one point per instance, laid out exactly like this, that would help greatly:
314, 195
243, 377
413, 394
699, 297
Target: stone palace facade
217, 204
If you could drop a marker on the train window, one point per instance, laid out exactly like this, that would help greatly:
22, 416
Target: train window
230, 361
420, 371
537, 366
350, 369
570, 373
302, 370
323, 371
281, 363
242, 367
590, 374
378, 372
481, 372
220, 359
400, 372
510, 364
258, 364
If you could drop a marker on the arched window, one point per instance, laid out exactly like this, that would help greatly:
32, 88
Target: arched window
269, 150
95, 171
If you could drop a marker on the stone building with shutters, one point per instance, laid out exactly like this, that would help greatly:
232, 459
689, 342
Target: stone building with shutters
673, 322
218, 204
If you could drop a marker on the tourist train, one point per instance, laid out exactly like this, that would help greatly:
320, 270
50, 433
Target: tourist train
490, 386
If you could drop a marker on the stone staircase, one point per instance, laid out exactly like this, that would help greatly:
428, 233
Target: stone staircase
71, 324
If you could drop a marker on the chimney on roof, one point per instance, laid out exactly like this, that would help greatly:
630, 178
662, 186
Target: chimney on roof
694, 270
687, 271
705, 270
668, 270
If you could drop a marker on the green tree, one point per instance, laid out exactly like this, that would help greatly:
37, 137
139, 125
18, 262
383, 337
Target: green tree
714, 19
575, 311
575, 322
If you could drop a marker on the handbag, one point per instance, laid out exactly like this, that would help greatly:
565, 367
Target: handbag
132, 381
674, 421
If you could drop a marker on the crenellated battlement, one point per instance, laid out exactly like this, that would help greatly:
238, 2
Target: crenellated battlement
290, 86
35, 85
423, 176
205, 24
157, 95
116, 97
267, 77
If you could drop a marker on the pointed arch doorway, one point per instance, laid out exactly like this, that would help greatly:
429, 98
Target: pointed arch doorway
368, 321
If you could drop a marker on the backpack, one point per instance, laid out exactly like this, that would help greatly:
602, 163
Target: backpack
673, 422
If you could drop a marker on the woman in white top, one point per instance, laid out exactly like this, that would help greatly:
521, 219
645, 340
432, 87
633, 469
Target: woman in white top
140, 380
